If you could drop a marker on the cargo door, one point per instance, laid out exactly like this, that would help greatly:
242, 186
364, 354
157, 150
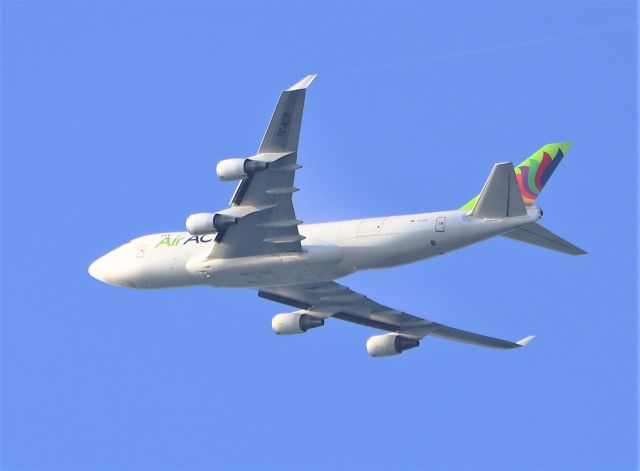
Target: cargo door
370, 227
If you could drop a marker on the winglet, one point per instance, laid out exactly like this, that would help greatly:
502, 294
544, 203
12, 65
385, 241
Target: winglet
525, 341
302, 84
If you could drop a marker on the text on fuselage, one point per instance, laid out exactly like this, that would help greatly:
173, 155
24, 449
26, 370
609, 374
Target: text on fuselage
169, 241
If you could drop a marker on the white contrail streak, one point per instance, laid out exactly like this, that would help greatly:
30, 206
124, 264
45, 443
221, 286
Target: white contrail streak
473, 52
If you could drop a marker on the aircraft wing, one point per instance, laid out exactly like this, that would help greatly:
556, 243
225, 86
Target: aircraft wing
269, 223
330, 299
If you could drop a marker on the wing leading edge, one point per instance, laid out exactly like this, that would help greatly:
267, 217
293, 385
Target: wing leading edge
330, 299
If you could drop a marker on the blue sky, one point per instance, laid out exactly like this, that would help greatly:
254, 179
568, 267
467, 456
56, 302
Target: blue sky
114, 115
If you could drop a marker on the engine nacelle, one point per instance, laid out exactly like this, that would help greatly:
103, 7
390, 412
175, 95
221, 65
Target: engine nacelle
209, 223
294, 323
390, 344
238, 169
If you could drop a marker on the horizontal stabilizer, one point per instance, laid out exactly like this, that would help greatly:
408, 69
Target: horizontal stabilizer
537, 235
500, 197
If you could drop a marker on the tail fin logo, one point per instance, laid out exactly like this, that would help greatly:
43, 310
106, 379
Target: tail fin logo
533, 173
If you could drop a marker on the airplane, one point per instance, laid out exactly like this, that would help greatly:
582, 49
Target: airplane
259, 242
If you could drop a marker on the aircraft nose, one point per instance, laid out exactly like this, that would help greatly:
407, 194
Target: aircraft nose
114, 269
99, 270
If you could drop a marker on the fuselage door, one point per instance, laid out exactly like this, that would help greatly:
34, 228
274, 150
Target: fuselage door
141, 250
440, 224
370, 227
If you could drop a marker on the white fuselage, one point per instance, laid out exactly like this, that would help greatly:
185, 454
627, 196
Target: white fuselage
330, 251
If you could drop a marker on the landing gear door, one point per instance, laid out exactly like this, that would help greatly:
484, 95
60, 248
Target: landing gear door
440, 222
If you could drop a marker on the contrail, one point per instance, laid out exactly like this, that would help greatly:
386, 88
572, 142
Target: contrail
473, 52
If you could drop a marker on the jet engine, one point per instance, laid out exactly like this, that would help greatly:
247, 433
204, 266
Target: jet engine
295, 323
390, 344
209, 223
238, 169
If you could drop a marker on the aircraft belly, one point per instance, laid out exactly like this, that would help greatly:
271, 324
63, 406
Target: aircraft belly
405, 239
160, 269
316, 263
395, 241
385, 251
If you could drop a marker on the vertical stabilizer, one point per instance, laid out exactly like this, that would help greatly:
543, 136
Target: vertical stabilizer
500, 196
533, 173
